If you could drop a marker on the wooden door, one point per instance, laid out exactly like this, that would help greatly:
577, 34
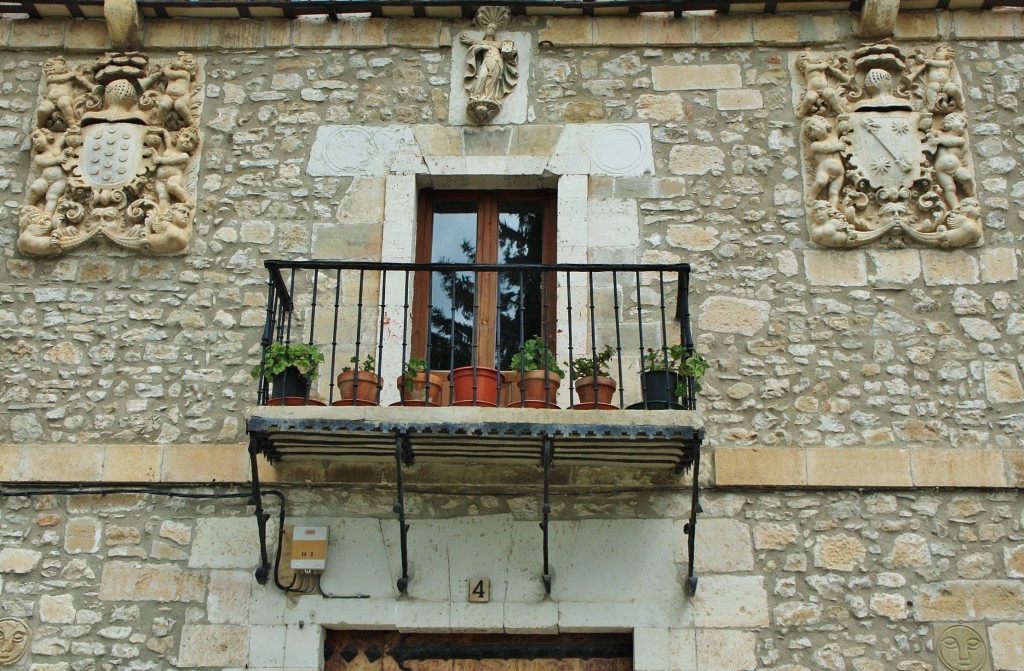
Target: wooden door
393, 651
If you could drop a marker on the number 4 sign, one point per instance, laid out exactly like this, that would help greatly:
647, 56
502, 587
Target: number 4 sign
479, 590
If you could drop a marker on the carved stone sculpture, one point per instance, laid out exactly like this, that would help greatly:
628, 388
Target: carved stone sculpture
492, 66
885, 149
113, 156
14, 639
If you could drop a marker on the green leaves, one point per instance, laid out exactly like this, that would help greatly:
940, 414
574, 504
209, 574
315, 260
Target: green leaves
279, 356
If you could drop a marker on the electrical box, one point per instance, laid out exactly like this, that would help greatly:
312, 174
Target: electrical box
309, 549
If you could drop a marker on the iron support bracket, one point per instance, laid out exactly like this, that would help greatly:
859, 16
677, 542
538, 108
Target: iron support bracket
263, 572
402, 452
547, 455
691, 526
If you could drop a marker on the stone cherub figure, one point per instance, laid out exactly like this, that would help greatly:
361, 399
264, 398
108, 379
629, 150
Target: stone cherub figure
170, 165
821, 94
492, 66
940, 91
827, 150
950, 171
176, 95
61, 92
48, 158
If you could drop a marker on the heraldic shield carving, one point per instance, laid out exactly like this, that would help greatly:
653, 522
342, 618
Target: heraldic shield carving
113, 155
885, 149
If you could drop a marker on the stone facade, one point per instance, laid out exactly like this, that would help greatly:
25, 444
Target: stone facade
864, 411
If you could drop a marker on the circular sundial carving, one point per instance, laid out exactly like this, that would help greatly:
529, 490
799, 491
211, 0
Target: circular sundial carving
347, 150
14, 638
618, 150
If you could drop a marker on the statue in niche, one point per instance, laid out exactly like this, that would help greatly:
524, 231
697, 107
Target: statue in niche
14, 638
492, 66
113, 156
871, 154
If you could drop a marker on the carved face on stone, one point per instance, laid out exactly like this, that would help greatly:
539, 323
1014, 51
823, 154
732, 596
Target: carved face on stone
14, 637
961, 648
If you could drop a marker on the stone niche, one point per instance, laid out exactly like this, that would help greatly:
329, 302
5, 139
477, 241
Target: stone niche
885, 149
115, 155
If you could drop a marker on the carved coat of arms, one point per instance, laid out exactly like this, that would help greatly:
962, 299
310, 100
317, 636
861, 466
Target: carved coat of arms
885, 149
113, 156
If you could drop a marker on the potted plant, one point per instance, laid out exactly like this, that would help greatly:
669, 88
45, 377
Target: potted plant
291, 368
594, 386
541, 374
665, 373
475, 385
415, 387
360, 386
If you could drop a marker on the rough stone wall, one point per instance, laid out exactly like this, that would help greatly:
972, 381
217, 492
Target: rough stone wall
877, 348
788, 580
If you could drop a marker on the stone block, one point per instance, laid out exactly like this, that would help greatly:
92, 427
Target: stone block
613, 222
225, 542
131, 463
894, 267
823, 28
739, 99
477, 617
266, 646
730, 602
722, 546
171, 34
205, 463
304, 647
845, 268
937, 467
278, 32
45, 34
726, 650
87, 35
414, 32
949, 268
916, 26
772, 536
653, 107
18, 560
126, 581
423, 616
57, 609
970, 600
725, 29
669, 31
650, 649
970, 25
689, 159
1014, 467
531, 618
363, 32
56, 463
999, 264
619, 31
235, 34
227, 600
777, 30
725, 314
82, 534
568, 32
858, 467
1002, 382
783, 466
314, 32
839, 552
214, 645
1013, 557
1007, 644
696, 77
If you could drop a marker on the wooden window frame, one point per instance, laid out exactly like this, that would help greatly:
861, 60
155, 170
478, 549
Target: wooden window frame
486, 252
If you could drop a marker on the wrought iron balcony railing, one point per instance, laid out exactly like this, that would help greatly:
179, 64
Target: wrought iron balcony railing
469, 318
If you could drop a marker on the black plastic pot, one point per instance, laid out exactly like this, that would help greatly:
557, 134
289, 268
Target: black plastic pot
289, 383
659, 388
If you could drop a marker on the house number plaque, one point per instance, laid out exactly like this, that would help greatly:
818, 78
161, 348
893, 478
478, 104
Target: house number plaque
479, 590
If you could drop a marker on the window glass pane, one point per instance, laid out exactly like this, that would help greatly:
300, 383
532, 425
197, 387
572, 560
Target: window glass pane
520, 295
452, 294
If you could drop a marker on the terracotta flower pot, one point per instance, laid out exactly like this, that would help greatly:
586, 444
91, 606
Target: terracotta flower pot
358, 385
591, 390
540, 387
423, 392
475, 385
